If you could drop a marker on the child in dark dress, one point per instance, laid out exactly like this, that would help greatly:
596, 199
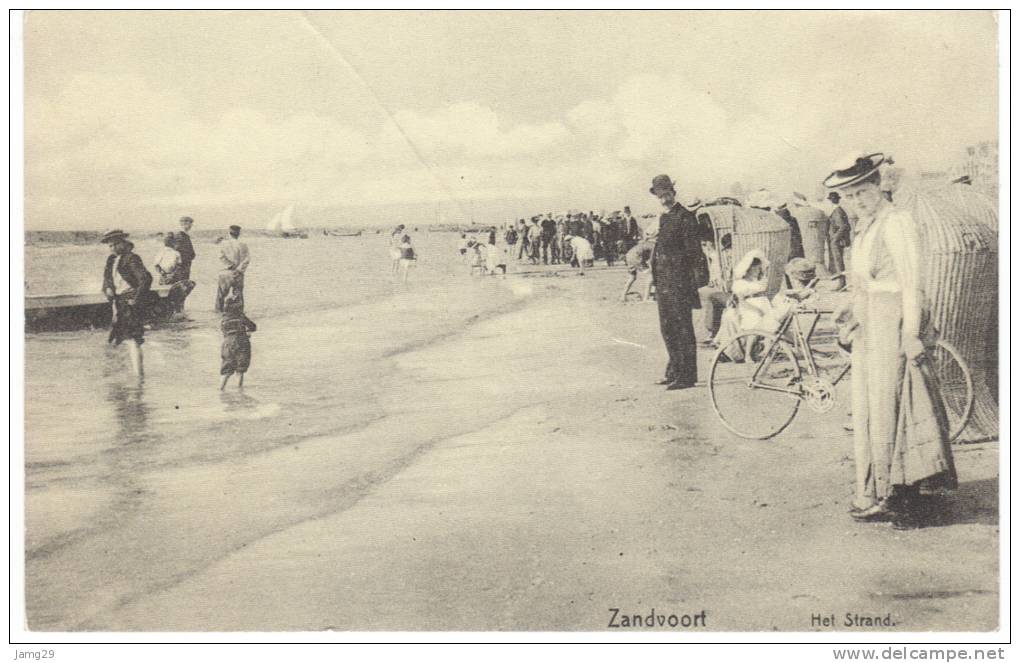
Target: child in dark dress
236, 349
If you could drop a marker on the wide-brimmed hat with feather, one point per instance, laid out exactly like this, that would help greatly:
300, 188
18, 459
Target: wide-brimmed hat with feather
853, 169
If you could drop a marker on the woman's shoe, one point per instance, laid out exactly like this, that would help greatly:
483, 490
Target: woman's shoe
877, 512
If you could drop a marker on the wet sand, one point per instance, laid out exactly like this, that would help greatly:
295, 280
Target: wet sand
526, 473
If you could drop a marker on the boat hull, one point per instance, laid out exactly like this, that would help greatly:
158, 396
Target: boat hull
45, 313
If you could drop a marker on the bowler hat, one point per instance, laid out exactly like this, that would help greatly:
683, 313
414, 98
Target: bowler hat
111, 236
853, 169
661, 182
235, 229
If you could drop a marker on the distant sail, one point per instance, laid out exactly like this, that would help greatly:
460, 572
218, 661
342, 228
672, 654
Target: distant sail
274, 223
286, 223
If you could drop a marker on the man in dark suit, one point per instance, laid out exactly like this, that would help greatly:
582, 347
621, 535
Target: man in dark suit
839, 238
548, 226
184, 246
630, 232
676, 252
182, 242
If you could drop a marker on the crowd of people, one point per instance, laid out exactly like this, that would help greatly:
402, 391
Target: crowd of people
686, 268
128, 286
573, 238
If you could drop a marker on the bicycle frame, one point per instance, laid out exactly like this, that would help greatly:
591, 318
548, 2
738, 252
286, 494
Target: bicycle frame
801, 342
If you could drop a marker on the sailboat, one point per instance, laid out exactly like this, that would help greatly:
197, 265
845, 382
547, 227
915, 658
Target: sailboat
282, 224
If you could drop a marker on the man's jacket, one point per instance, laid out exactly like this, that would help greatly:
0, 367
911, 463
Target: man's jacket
134, 274
677, 252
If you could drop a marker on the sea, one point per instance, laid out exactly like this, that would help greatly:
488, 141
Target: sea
329, 312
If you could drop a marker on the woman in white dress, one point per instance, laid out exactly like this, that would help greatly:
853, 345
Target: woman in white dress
900, 438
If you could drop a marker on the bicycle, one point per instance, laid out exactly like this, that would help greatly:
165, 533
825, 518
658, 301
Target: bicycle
757, 383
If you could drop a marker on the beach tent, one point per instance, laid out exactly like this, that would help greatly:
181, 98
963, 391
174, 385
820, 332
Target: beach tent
957, 227
750, 228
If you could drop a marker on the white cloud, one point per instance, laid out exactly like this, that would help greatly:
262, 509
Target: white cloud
473, 130
119, 141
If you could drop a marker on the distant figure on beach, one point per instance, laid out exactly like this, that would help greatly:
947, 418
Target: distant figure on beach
840, 238
549, 249
714, 298
511, 240
535, 240
407, 257
462, 245
126, 285
610, 240
637, 261
558, 240
182, 242
236, 349
763, 199
170, 267
522, 238
395, 238
677, 254
633, 233
495, 258
582, 251
476, 258
234, 258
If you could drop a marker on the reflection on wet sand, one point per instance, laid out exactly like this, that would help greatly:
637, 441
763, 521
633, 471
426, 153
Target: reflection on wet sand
237, 401
130, 413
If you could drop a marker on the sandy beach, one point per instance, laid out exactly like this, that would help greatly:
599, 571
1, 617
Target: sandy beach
512, 480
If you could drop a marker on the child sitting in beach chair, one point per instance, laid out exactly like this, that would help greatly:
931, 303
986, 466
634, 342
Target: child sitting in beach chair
236, 349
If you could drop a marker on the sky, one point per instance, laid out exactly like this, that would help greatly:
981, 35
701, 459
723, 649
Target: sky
134, 118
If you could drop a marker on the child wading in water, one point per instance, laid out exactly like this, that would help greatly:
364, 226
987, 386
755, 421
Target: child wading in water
407, 257
236, 350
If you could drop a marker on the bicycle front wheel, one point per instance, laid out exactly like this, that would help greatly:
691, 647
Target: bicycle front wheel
955, 385
755, 385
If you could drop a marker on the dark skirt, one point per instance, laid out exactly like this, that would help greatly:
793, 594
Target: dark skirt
128, 323
236, 354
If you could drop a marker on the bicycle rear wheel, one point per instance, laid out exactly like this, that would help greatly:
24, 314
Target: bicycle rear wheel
755, 385
956, 387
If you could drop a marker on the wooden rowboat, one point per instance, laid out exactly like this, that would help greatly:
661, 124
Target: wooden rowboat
83, 311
